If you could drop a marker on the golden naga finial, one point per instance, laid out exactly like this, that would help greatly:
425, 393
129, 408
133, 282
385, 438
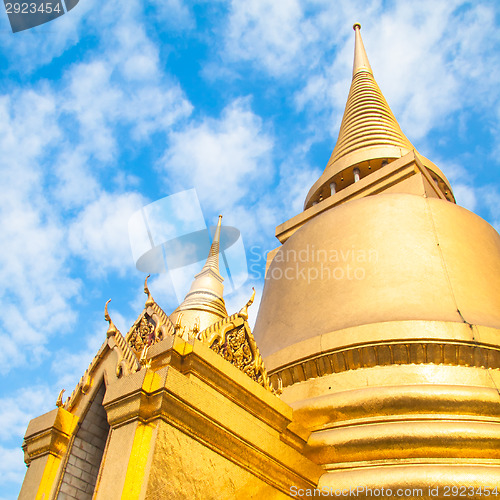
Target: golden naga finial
196, 327
86, 383
278, 390
112, 330
177, 325
244, 310
149, 301
59, 402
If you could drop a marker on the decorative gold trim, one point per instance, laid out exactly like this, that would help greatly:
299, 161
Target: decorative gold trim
233, 340
152, 325
396, 353
127, 360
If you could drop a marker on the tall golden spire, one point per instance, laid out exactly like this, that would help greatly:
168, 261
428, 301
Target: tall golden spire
204, 303
369, 129
372, 155
368, 121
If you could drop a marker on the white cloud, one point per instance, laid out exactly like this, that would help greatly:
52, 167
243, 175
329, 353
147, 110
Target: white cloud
68, 366
100, 233
290, 38
174, 14
36, 288
273, 34
95, 102
56, 207
426, 56
12, 468
122, 86
224, 158
16, 411
465, 196
425, 82
74, 184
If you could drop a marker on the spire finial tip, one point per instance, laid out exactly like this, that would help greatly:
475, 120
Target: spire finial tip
356, 25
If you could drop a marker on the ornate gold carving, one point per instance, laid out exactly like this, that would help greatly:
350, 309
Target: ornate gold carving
186, 332
196, 327
178, 321
236, 350
232, 339
152, 325
143, 334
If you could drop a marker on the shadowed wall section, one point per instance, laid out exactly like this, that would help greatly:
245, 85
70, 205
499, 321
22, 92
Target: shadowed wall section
86, 453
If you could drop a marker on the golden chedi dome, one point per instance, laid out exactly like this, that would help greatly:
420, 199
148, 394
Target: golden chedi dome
380, 315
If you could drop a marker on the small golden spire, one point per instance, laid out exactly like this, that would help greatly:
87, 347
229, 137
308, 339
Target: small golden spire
204, 303
361, 62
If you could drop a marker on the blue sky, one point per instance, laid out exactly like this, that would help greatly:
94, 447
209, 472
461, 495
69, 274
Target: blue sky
118, 104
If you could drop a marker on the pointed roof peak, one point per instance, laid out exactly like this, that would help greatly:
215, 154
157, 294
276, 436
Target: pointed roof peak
204, 303
213, 256
369, 130
361, 62
368, 121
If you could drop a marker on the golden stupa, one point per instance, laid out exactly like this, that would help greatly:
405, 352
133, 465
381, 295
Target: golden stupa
386, 340
379, 327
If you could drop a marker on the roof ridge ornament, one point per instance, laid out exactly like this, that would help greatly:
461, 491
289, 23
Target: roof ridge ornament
244, 310
112, 330
149, 301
